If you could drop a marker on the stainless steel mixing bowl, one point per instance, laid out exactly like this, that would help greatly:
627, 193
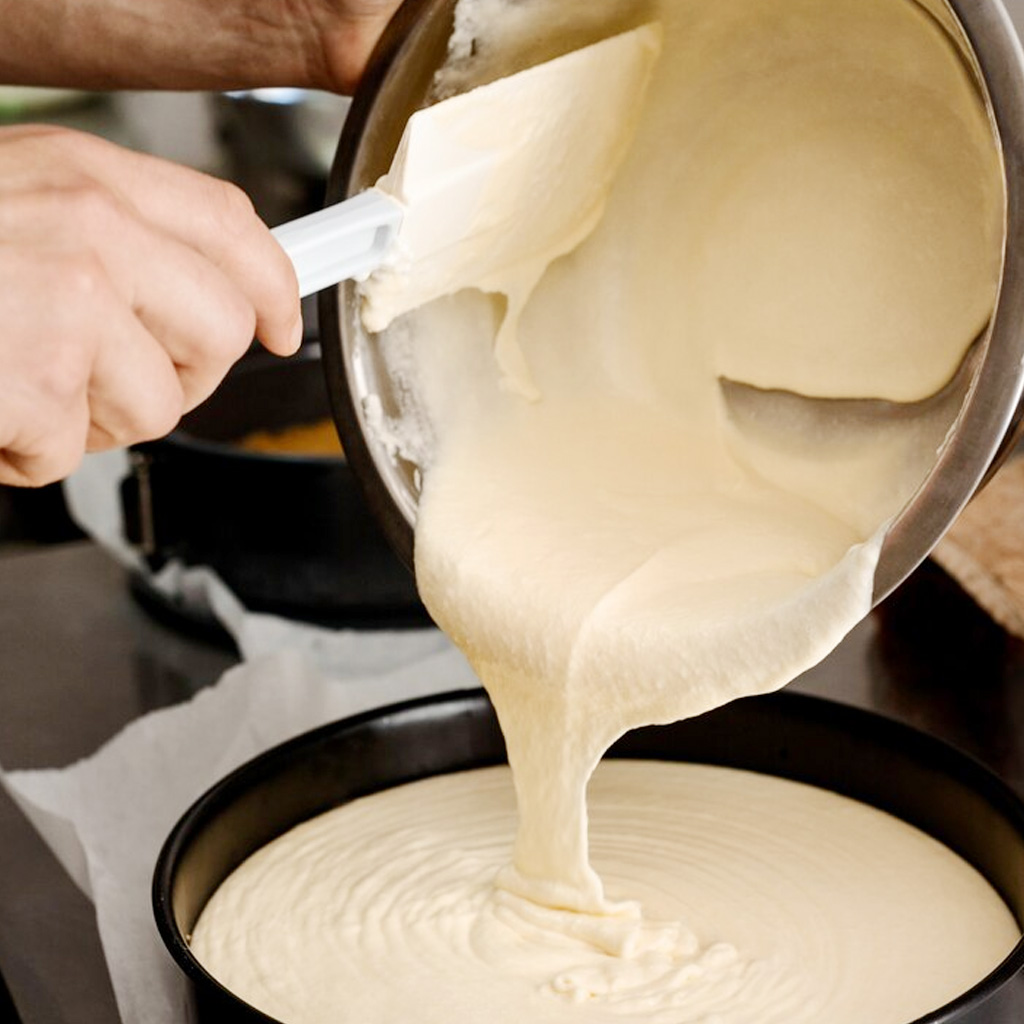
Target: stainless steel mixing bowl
982, 405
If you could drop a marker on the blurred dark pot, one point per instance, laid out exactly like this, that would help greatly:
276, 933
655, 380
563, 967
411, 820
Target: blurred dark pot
289, 534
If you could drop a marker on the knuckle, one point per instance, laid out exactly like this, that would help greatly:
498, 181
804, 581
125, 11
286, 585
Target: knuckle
281, 304
77, 211
232, 209
159, 414
81, 278
236, 330
93, 207
59, 153
222, 333
63, 378
74, 146
74, 288
39, 136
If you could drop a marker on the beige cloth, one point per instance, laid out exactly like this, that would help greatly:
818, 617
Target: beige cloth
984, 549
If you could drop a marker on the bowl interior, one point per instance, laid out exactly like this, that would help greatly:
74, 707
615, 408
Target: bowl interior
980, 415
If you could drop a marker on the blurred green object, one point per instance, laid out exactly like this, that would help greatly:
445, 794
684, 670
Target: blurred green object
21, 102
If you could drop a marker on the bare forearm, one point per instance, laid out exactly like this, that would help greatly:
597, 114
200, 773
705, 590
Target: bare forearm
187, 44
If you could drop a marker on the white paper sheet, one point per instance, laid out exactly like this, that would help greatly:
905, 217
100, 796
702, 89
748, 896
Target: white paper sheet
107, 816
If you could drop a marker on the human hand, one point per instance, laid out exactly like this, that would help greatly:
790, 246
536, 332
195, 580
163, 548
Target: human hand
128, 287
190, 44
349, 30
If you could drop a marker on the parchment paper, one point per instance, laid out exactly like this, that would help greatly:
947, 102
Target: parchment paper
107, 816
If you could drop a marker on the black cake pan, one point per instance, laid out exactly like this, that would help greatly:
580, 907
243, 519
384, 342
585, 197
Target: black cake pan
856, 753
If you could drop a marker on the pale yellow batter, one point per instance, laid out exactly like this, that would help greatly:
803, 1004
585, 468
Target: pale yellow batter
766, 902
813, 201
623, 552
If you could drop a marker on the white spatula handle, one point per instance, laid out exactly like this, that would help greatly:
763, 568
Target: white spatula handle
347, 240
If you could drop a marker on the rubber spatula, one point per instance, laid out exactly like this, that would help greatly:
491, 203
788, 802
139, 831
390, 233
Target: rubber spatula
488, 179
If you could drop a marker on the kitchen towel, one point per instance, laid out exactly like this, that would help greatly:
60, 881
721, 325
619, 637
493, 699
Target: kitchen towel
984, 549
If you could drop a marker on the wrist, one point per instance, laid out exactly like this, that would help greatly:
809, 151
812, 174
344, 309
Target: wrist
346, 34
189, 44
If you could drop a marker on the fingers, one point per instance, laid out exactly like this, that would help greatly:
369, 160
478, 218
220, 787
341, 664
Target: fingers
49, 460
212, 217
80, 372
204, 323
202, 320
128, 287
134, 393
44, 412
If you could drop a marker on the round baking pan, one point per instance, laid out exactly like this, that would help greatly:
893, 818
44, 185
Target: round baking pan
288, 533
856, 753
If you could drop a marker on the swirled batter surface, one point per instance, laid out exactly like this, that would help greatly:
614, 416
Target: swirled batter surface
766, 902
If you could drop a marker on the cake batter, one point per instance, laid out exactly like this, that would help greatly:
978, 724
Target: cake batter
813, 202
766, 902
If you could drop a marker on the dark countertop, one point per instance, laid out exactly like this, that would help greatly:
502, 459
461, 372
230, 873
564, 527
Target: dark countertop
81, 659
